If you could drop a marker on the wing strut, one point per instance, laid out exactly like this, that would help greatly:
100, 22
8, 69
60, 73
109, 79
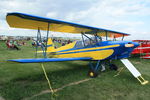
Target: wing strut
122, 37
40, 41
106, 35
83, 39
48, 29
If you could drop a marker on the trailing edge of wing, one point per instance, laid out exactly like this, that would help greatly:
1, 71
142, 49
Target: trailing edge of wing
20, 20
40, 60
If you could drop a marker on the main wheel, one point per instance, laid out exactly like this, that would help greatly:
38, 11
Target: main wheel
92, 74
113, 67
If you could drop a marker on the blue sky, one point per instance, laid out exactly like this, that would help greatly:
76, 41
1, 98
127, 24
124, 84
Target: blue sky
128, 16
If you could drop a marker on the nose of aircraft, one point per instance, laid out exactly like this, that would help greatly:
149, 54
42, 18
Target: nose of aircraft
129, 46
136, 44
132, 44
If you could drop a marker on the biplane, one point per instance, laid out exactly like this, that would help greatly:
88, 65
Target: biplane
91, 48
143, 48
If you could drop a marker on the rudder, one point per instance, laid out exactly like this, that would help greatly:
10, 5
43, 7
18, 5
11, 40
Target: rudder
50, 45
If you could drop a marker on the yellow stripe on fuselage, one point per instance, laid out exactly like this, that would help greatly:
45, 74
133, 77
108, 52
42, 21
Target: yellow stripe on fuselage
95, 54
104, 47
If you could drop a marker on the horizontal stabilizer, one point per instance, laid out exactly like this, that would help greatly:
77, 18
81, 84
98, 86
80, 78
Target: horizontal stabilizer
40, 60
146, 57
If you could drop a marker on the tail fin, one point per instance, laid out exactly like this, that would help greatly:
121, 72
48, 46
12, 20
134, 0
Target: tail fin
50, 45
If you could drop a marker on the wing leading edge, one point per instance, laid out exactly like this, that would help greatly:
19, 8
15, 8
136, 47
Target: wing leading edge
40, 60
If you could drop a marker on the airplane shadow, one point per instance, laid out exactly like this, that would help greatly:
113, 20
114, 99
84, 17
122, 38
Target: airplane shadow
74, 70
27, 84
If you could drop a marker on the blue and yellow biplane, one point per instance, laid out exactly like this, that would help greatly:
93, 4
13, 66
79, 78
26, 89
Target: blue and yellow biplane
91, 48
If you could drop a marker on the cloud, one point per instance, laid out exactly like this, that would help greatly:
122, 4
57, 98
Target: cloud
51, 15
129, 16
118, 15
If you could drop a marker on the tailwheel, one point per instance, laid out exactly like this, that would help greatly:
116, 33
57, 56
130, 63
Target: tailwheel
92, 74
113, 67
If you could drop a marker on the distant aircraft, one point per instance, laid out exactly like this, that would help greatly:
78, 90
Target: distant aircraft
143, 48
90, 49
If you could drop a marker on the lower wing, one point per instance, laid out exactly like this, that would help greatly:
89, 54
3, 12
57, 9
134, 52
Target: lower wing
40, 60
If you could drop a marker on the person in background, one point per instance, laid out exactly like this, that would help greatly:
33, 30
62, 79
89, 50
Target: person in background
33, 44
15, 45
7, 44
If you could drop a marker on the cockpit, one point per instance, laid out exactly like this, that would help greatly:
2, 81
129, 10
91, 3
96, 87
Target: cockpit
88, 42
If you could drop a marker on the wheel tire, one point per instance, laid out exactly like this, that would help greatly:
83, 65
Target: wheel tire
113, 67
92, 74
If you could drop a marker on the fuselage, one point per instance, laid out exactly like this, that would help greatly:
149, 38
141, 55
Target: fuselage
97, 51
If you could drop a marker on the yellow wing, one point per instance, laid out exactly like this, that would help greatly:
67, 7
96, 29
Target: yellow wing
20, 20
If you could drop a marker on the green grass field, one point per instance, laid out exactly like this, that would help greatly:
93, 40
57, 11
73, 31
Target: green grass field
27, 82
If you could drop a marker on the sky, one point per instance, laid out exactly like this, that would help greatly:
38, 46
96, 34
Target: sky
127, 16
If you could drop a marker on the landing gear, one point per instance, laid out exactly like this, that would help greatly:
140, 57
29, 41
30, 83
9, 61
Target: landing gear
95, 67
113, 67
93, 72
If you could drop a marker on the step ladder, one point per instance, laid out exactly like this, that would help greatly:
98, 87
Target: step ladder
134, 71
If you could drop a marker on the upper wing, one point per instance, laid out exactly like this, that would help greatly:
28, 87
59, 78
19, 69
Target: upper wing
20, 20
40, 60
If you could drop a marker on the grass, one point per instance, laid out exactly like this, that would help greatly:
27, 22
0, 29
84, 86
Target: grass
19, 81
